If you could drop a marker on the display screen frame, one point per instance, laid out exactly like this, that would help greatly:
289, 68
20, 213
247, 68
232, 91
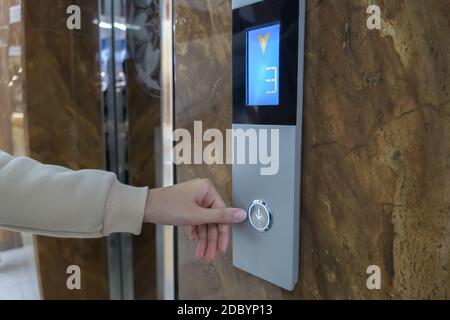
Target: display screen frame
260, 14
249, 95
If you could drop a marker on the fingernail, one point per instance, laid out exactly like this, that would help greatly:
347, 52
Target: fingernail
239, 215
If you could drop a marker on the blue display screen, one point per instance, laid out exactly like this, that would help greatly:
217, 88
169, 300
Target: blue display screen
263, 60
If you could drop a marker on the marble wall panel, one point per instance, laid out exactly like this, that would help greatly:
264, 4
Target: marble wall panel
64, 117
376, 148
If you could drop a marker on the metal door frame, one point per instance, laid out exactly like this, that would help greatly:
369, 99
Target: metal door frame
115, 122
166, 235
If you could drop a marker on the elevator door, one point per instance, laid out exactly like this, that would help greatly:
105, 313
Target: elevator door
376, 146
82, 98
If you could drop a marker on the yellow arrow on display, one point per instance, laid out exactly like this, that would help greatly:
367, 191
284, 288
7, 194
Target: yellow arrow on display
263, 41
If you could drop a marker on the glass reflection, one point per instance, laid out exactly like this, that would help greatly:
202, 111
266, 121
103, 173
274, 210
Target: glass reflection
18, 274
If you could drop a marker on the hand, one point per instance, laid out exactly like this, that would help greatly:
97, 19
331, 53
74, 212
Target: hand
196, 204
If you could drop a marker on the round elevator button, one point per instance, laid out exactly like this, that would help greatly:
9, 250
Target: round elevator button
260, 216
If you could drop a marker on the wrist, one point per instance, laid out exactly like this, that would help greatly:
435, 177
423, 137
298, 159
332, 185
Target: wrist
149, 211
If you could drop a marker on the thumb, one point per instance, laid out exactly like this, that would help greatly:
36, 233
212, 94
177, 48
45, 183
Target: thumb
219, 215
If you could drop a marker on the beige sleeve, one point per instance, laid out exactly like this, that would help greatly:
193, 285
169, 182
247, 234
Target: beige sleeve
55, 201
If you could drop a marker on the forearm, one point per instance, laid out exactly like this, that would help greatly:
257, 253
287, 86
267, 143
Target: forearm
55, 201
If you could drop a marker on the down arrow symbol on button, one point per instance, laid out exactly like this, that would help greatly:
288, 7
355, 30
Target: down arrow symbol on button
258, 214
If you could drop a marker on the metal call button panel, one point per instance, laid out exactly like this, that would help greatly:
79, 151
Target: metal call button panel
268, 54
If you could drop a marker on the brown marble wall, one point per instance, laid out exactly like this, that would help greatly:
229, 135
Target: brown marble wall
376, 148
64, 116
142, 70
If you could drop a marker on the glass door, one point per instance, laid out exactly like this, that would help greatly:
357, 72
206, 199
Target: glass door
83, 98
18, 273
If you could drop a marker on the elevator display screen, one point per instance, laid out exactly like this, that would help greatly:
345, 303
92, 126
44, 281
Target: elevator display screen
263, 60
